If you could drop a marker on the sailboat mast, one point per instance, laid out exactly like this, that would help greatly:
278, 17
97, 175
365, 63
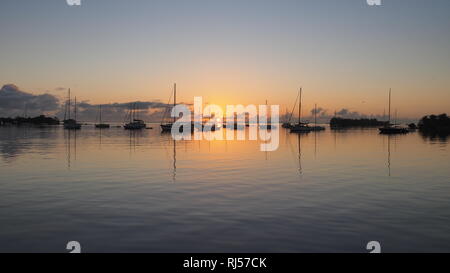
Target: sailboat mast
136, 109
75, 108
389, 113
131, 112
300, 107
69, 104
174, 98
395, 117
315, 114
100, 114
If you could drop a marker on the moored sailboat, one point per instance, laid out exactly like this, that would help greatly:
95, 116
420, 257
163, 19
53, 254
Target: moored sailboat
316, 127
101, 125
135, 123
390, 129
69, 123
268, 125
167, 127
300, 127
288, 124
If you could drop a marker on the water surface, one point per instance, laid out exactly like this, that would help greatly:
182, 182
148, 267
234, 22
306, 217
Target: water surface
116, 191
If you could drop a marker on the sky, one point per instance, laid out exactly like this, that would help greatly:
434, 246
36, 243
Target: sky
345, 54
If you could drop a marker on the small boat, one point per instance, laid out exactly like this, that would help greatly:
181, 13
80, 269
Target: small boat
101, 125
300, 127
69, 123
72, 125
288, 124
167, 127
391, 129
235, 126
135, 123
268, 125
316, 127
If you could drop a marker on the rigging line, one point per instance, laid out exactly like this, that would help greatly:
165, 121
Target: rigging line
165, 110
293, 109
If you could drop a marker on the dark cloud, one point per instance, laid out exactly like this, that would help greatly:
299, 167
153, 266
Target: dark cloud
14, 101
346, 113
318, 111
151, 111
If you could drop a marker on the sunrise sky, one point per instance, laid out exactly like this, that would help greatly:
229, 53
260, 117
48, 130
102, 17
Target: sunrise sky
345, 54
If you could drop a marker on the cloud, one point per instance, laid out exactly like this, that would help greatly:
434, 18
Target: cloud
319, 111
151, 111
14, 101
346, 113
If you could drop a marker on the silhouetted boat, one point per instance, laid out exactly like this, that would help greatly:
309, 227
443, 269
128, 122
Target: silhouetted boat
268, 125
167, 127
288, 124
300, 127
391, 129
101, 125
71, 124
316, 127
234, 126
135, 123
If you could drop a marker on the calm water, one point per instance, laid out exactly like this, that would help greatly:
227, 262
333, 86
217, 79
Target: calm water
119, 192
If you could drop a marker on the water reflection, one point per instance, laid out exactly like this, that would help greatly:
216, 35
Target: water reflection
299, 153
174, 176
70, 137
225, 187
16, 141
389, 155
441, 137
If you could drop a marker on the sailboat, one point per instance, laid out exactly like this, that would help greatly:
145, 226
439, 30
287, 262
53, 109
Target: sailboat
135, 123
167, 127
288, 124
268, 124
392, 128
67, 118
235, 125
316, 127
101, 125
300, 127
71, 124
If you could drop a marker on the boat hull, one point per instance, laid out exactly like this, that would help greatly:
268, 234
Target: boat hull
287, 126
166, 128
317, 128
301, 128
76, 126
133, 127
393, 130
